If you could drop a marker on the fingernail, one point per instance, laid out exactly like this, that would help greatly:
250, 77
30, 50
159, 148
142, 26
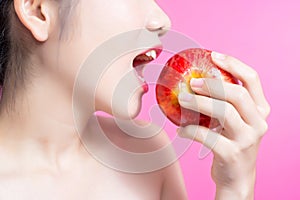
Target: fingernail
184, 96
180, 132
218, 56
197, 82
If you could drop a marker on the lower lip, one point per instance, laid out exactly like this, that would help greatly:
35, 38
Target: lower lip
145, 87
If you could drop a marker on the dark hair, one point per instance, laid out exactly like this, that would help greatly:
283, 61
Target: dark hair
4, 39
16, 44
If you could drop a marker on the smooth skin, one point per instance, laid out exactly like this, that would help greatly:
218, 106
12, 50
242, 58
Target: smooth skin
41, 154
246, 110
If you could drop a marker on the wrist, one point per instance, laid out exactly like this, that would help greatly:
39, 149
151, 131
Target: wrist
240, 193
240, 190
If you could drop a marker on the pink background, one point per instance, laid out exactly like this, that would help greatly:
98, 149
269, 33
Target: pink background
266, 35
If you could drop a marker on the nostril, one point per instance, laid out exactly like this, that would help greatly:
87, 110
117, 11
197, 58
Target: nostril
163, 31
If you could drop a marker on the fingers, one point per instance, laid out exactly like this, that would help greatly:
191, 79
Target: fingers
249, 78
220, 145
226, 114
237, 95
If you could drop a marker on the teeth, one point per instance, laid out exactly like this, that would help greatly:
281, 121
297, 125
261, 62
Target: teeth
152, 54
149, 54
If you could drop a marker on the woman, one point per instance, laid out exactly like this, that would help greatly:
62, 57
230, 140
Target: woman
43, 44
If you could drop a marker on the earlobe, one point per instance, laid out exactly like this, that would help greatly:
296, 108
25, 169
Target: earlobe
34, 15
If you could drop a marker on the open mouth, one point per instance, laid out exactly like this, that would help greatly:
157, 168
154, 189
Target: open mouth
145, 58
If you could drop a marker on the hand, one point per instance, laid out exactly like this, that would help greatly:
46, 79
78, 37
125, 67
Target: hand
242, 111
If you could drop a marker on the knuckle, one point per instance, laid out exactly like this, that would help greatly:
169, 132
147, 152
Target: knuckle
231, 62
231, 112
231, 116
260, 130
264, 111
241, 94
268, 110
214, 85
248, 142
200, 104
253, 76
191, 103
230, 59
263, 128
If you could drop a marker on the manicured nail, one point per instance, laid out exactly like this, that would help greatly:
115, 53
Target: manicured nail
197, 82
184, 96
180, 132
218, 56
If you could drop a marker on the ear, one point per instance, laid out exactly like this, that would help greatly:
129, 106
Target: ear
35, 16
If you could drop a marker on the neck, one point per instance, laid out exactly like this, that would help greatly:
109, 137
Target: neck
43, 122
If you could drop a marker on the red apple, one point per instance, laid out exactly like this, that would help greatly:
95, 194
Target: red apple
181, 68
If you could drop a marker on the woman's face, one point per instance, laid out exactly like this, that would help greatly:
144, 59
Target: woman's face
93, 22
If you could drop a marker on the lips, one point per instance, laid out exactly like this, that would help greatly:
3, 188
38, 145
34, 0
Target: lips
145, 58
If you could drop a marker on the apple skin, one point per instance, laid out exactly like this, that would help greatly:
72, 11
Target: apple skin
181, 68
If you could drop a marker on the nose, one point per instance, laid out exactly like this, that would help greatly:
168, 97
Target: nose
158, 21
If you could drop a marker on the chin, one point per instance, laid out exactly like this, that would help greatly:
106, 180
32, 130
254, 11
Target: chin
134, 109
122, 109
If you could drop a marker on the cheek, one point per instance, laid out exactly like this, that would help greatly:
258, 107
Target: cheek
119, 90
116, 73
100, 20
70, 64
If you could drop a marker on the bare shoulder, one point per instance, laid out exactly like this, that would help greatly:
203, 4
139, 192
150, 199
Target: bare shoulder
8, 164
173, 186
